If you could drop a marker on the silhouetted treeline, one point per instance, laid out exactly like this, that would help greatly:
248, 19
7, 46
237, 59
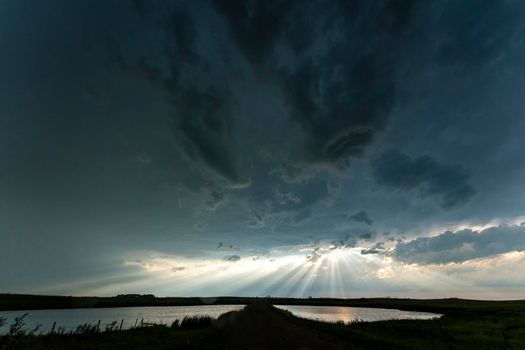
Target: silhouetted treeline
33, 302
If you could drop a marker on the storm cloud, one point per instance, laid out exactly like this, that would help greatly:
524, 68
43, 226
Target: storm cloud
361, 216
460, 246
186, 132
448, 183
232, 258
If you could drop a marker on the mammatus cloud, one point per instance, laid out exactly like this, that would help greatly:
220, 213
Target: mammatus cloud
463, 245
448, 183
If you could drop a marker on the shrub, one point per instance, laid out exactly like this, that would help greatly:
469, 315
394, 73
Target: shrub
195, 322
17, 327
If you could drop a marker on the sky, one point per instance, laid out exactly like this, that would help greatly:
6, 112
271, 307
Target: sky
288, 148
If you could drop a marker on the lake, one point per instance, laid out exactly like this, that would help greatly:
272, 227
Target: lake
71, 318
348, 314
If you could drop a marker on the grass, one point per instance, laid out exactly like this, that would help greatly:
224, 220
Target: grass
154, 337
466, 324
194, 332
465, 329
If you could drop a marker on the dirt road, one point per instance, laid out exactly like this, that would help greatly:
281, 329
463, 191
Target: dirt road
261, 326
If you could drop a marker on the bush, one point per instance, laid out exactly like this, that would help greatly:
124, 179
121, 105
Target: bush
17, 327
195, 322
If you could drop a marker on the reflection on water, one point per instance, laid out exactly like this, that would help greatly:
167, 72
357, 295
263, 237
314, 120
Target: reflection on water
348, 314
71, 318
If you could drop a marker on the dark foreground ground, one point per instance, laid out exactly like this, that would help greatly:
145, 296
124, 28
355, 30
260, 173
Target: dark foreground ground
261, 326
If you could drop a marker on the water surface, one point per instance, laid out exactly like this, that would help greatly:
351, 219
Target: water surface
349, 314
71, 318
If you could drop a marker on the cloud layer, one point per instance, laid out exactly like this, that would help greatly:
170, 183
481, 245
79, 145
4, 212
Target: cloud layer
460, 246
448, 183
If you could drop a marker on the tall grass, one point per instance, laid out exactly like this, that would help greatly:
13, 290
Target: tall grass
18, 336
193, 322
18, 326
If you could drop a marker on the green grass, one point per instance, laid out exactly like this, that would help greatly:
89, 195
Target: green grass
192, 332
151, 337
466, 324
465, 329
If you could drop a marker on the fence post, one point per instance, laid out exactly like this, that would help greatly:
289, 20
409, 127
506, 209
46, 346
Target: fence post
505, 339
98, 325
53, 328
121, 322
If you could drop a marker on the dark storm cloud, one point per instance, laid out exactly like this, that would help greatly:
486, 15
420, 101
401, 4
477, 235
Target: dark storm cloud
477, 32
463, 245
378, 248
205, 125
255, 25
302, 215
369, 251
141, 6
366, 235
254, 123
202, 123
217, 198
232, 258
340, 82
448, 183
229, 246
343, 97
180, 29
202, 117
354, 107
361, 216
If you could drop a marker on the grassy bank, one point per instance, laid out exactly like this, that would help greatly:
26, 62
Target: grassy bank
461, 329
189, 333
